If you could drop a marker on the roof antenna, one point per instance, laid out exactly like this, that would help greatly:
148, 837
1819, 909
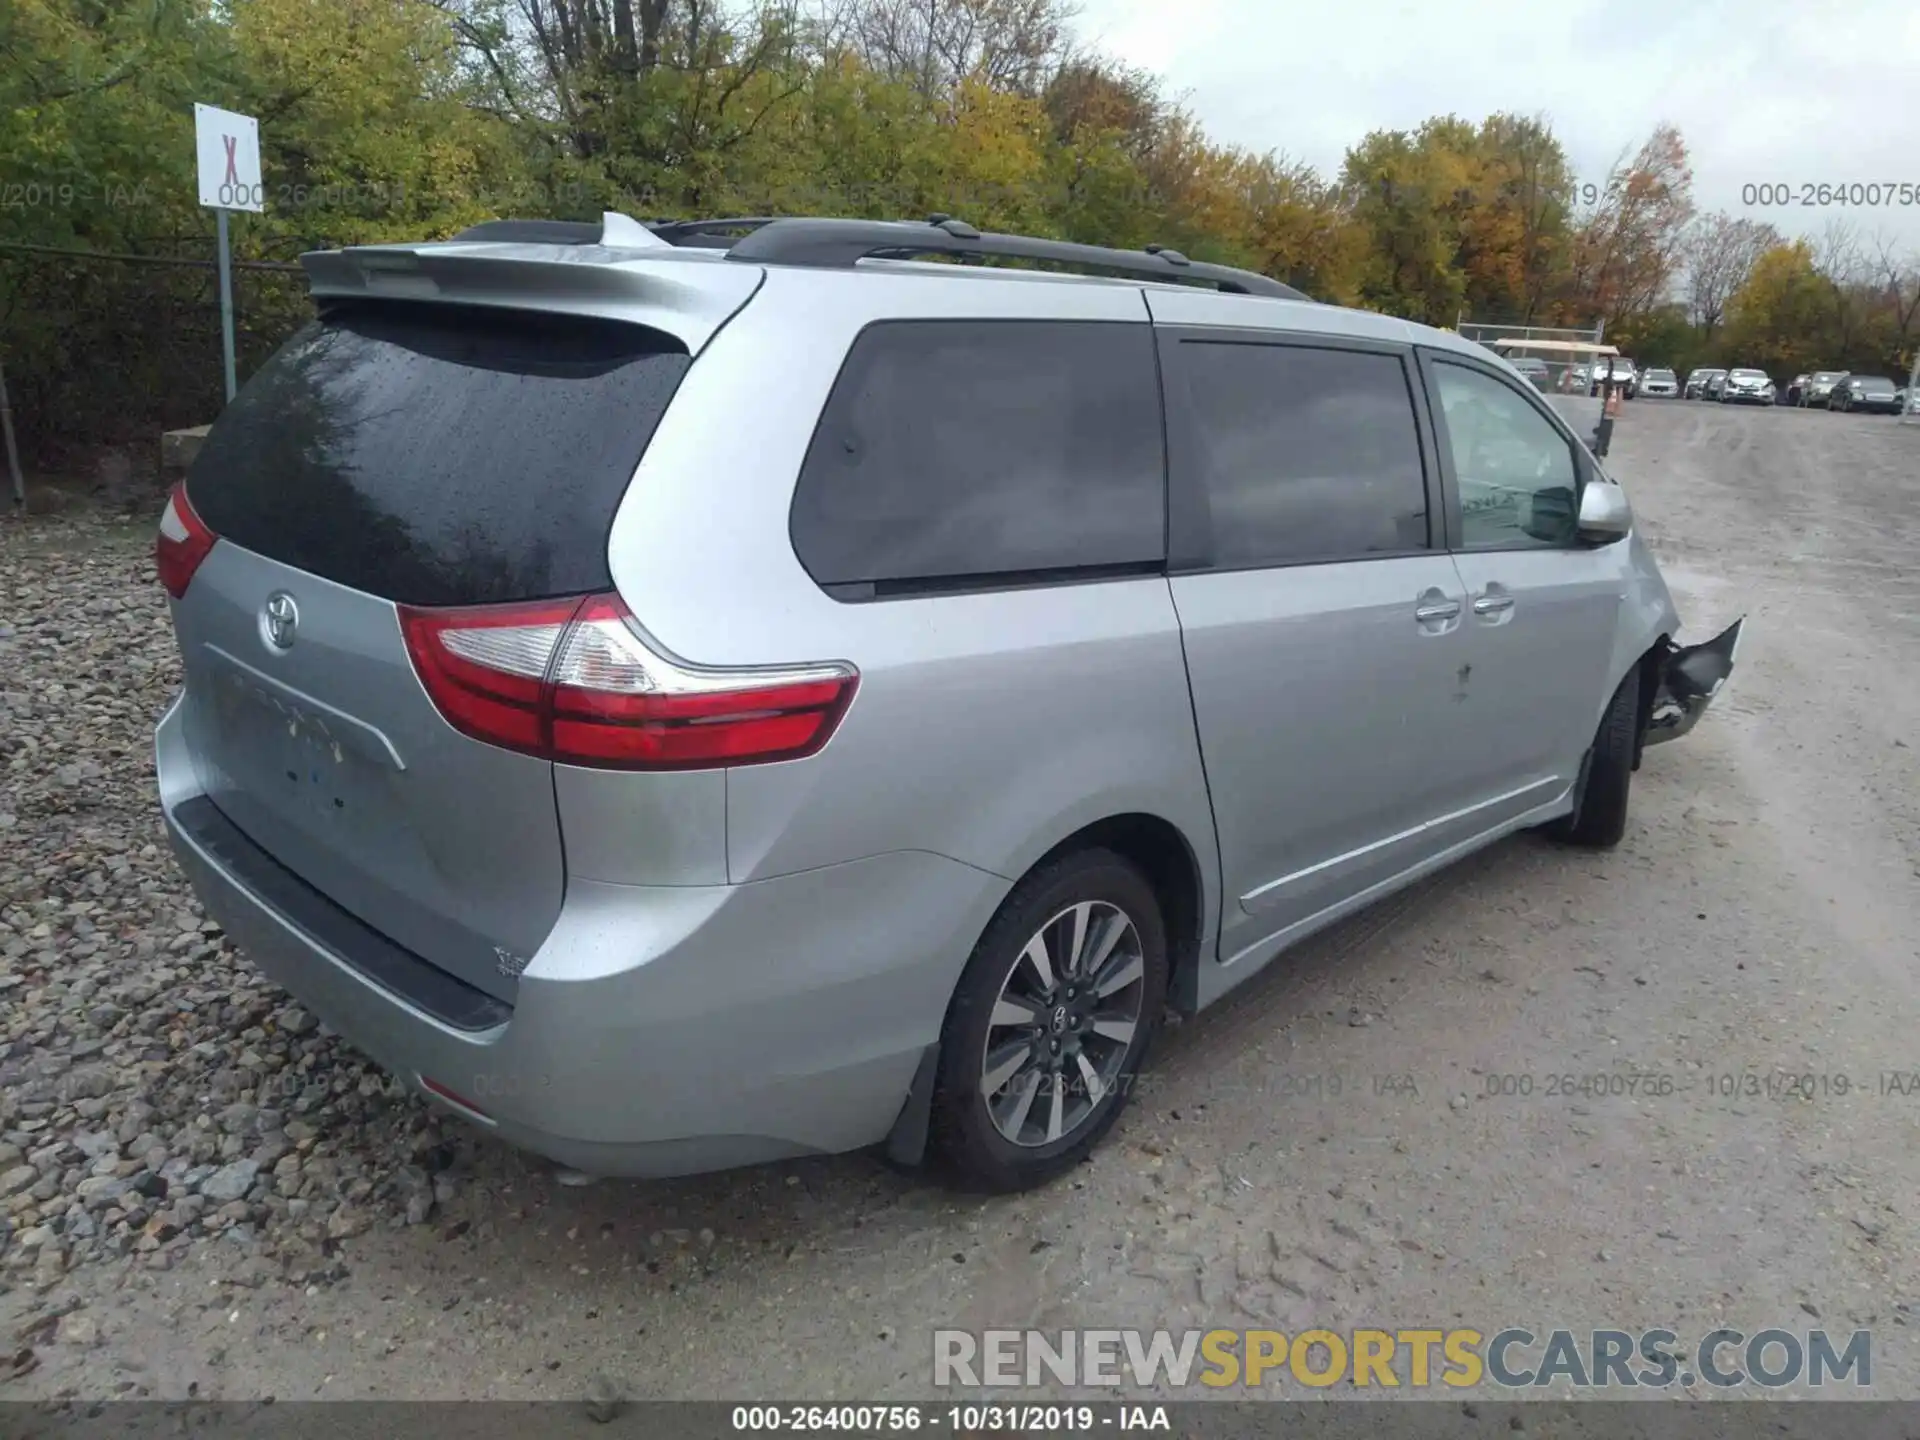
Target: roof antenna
623, 232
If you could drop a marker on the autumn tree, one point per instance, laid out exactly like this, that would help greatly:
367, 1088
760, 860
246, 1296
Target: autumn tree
1628, 248
1896, 274
1404, 190
1777, 318
934, 45
1720, 253
1515, 234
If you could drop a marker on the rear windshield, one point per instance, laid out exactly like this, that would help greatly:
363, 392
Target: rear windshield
438, 455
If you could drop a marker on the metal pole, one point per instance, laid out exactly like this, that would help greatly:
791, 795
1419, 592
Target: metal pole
226, 302
13, 455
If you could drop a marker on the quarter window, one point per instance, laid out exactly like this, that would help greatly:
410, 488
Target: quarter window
969, 450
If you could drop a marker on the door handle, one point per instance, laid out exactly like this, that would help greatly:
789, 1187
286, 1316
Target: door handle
1492, 604
1441, 610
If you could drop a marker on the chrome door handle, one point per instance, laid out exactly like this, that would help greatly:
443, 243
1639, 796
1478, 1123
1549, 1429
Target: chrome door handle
1492, 604
1428, 613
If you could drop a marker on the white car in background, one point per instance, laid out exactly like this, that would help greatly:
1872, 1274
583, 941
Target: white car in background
1746, 387
1622, 375
1660, 384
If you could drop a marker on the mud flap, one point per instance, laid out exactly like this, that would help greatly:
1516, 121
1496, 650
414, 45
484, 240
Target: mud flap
1690, 677
906, 1143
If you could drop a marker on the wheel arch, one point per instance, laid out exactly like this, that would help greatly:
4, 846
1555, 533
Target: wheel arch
1173, 866
1167, 858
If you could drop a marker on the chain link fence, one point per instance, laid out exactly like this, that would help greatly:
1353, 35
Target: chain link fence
110, 349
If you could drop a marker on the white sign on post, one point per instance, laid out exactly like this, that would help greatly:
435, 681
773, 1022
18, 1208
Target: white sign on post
228, 148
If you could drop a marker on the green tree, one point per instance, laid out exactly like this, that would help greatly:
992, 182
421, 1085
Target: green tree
1778, 318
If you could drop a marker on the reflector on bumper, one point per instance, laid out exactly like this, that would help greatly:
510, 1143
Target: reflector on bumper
1690, 676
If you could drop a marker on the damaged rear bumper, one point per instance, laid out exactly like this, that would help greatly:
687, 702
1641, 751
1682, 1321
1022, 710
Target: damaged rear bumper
1690, 677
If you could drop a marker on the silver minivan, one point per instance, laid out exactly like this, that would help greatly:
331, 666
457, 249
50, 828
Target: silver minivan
687, 696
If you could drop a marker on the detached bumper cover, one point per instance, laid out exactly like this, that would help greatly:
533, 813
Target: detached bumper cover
1690, 677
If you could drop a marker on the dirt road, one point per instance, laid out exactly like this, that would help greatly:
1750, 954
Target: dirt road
1329, 1146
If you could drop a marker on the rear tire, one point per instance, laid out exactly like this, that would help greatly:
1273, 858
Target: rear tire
1093, 1012
1599, 818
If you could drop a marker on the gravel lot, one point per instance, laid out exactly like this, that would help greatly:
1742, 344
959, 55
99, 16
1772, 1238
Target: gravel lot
203, 1193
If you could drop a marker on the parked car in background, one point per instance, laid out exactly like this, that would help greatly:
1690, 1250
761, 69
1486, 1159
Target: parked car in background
1659, 384
1865, 392
1795, 386
1698, 381
1819, 387
741, 791
1746, 387
1617, 371
1535, 369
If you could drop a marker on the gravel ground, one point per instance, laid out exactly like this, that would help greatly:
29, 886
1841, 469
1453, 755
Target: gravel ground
202, 1192
155, 1092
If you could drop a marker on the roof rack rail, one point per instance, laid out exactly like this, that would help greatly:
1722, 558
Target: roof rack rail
839, 244
708, 233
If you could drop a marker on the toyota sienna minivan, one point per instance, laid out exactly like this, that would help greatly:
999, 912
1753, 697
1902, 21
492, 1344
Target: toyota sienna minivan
693, 695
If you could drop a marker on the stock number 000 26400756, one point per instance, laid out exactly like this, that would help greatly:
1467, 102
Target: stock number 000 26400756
908, 1418
1574, 1086
1861, 194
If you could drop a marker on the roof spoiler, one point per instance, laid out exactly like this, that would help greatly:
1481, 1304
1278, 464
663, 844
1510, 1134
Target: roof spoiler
615, 231
689, 302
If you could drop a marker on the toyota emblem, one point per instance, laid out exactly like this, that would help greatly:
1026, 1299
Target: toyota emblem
279, 619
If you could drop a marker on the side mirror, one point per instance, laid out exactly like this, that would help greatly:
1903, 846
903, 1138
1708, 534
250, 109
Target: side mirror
1605, 515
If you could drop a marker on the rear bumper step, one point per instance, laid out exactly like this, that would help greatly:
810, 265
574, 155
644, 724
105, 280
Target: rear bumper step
1690, 677
421, 984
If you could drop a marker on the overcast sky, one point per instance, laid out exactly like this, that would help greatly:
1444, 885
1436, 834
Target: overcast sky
1787, 92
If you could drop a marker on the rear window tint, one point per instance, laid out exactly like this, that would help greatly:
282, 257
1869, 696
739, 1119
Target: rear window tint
956, 450
439, 456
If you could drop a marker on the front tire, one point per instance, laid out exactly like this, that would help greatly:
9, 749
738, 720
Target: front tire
1049, 1024
1599, 818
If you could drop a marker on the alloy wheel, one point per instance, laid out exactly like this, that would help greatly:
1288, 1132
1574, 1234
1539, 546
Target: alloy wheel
1063, 1023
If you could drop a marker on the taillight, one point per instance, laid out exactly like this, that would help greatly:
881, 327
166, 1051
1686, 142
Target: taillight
182, 544
573, 681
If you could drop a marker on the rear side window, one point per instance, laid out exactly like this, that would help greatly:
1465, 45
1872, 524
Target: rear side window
962, 451
1305, 453
436, 455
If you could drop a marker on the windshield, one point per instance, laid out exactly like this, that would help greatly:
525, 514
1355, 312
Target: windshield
1749, 375
1827, 375
1873, 382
